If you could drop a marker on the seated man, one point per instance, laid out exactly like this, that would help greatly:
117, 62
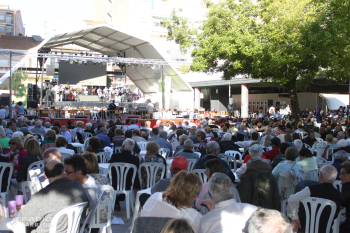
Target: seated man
246, 144
61, 144
125, 157
325, 189
267, 220
213, 150
153, 134
59, 194
187, 152
340, 157
103, 136
65, 133
49, 154
310, 139
225, 213
128, 134
163, 143
75, 169
255, 164
227, 144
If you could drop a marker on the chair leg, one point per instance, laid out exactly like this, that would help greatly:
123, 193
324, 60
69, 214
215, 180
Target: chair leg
136, 210
127, 200
132, 201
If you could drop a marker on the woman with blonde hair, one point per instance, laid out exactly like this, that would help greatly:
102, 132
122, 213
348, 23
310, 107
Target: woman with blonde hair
178, 226
15, 154
4, 141
329, 140
176, 201
267, 143
34, 154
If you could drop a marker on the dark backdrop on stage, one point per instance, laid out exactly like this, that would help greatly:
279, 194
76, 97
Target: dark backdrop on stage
90, 74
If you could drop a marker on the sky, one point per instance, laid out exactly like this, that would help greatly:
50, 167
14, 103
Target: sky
60, 15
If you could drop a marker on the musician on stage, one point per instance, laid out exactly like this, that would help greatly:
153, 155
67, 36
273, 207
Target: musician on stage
56, 91
99, 92
150, 108
62, 90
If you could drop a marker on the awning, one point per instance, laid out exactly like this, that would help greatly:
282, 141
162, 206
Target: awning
109, 41
335, 101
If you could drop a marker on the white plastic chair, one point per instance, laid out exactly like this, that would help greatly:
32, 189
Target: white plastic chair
33, 174
316, 207
142, 145
319, 139
307, 146
73, 215
318, 148
337, 185
229, 158
63, 156
86, 143
95, 222
198, 153
165, 152
151, 170
73, 134
201, 173
117, 149
104, 157
119, 127
313, 174
38, 164
122, 170
87, 135
137, 205
234, 153
28, 185
3, 167
191, 163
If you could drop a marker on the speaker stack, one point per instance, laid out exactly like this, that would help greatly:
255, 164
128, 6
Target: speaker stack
30, 92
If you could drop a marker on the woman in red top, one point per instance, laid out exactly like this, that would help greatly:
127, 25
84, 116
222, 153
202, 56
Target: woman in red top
15, 153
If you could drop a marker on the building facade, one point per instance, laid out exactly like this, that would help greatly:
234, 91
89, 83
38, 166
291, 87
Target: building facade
11, 23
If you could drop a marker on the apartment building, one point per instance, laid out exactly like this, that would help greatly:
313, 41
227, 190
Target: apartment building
11, 23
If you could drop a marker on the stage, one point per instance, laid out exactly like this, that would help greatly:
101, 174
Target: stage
82, 104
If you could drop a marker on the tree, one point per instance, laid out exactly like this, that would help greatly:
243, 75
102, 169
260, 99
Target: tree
268, 40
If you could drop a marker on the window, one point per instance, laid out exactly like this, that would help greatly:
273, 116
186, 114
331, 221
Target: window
9, 31
2, 17
2, 29
9, 19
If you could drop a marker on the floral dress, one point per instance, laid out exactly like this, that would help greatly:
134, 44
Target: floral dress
201, 146
102, 180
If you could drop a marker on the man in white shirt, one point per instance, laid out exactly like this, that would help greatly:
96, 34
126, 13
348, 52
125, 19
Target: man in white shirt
246, 144
65, 133
225, 213
61, 144
150, 108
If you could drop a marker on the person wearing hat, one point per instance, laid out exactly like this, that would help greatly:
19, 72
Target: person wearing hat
178, 164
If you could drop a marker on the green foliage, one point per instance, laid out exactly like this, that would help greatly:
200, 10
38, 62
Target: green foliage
185, 69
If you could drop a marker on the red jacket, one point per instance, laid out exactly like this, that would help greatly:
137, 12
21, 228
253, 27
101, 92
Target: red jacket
271, 154
247, 158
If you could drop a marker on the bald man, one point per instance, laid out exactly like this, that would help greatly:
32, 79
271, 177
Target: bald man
59, 194
325, 189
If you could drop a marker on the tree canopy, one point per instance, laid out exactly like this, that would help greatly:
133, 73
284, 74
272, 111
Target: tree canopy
285, 41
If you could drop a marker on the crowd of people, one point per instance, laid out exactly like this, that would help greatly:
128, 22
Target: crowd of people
270, 148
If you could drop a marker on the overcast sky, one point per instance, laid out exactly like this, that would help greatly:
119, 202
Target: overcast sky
60, 15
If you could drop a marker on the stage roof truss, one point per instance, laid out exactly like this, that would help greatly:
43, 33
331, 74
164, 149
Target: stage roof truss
112, 42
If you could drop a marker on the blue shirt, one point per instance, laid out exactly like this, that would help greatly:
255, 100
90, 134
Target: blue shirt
133, 126
20, 109
164, 144
67, 135
105, 138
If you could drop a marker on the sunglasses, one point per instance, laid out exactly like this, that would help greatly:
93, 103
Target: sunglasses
12, 143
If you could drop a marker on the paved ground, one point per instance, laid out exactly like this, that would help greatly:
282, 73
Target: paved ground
126, 228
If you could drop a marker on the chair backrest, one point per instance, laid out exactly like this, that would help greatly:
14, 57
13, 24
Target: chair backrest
104, 156
117, 149
151, 171
191, 163
319, 139
73, 215
33, 175
307, 146
234, 154
119, 126
46, 146
164, 152
122, 170
87, 135
3, 168
142, 145
201, 173
73, 134
318, 148
230, 159
313, 213
18, 129
312, 174
149, 224
337, 185
38, 164
30, 186
175, 144
63, 156
86, 143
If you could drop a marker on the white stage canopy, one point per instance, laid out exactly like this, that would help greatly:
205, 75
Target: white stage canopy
334, 101
109, 41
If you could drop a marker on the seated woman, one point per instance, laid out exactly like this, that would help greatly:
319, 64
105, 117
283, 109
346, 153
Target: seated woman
15, 154
288, 139
208, 132
329, 140
306, 161
34, 154
281, 157
4, 141
50, 137
202, 143
211, 166
94, 145
291, 154
91, 161
176, 201
152, 156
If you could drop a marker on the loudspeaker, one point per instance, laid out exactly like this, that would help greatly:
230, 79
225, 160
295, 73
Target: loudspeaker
35, 92
270, 103
4, 101
32, 104
30, 91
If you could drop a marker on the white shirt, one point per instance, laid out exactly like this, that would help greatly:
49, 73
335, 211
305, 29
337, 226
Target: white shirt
347, 140
65, 150
2, 113
227, 216
150, 107
156, 207
244, 144
293, 202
